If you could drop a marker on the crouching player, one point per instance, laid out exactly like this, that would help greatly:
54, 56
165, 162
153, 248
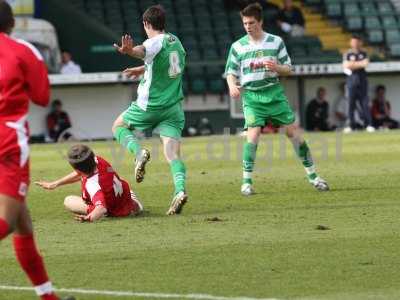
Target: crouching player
104, 193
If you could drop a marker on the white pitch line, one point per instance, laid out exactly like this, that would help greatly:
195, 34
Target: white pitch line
135, 294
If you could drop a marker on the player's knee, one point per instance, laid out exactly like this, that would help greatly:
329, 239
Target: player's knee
115, 126
291, 131
117, 123
68, 202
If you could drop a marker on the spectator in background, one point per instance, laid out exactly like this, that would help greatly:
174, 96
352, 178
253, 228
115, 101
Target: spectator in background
381, 110
68, 65
57, 121
341, 108
290, 19
354, 63
317, 112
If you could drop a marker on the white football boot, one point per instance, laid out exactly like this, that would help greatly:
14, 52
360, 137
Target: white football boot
177, 203
347, 130
140, 164
320, 184
370, 129
247, 189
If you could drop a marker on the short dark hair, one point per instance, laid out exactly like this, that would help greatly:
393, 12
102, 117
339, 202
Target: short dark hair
6, 16
253, 10
155, 16
380, 87
56, 102
81, 158
356, 37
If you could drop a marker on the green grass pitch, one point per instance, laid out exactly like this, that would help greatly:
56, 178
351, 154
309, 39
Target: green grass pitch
266, 246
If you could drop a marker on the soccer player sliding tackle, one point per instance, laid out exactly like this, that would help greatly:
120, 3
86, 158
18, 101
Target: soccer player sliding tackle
23, 76
257, 60
159, 100
104, 193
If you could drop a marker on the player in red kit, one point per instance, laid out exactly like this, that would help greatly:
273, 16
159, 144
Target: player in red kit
104, 193
23, 77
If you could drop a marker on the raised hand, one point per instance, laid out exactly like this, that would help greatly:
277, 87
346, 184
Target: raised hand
126, 45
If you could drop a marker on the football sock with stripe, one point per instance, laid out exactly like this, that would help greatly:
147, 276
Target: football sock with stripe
178, 171
249, 156
32, 263
128, 139
303, 152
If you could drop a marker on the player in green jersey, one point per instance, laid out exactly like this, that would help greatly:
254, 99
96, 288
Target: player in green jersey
257, 60
159, 100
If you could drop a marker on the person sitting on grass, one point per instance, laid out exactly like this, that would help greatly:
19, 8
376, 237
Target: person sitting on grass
104, 193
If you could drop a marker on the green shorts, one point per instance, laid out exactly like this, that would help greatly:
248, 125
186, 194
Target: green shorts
269, 105
168, 122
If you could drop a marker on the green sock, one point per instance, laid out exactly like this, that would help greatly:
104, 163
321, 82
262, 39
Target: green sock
304, 153
249, 156
127, 138
178, 171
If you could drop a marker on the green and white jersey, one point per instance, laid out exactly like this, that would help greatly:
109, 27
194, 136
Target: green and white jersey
246, 58
164, 61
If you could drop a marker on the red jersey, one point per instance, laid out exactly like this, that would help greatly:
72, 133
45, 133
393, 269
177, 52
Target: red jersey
23, 77
107, 189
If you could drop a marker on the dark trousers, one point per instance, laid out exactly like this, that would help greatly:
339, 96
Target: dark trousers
386, 122
358, 94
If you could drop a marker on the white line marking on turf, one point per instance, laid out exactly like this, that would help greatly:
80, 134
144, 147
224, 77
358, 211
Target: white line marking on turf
135, 294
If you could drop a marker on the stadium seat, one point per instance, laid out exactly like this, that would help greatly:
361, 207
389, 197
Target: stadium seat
354, 23
189, 42
180, 10
333, 10
193, 55
351, 9
368, 9
385, 8
207, 41
313, 2
78, 4
186, 21
392, 36
214, 72
210, 54
395, 50
144, 4
198, 86
389, 22
217, 86
372, 23
298, 52
375, 36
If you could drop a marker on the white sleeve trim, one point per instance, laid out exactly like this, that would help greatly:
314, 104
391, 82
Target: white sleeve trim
92, 185
153, 47
32, 48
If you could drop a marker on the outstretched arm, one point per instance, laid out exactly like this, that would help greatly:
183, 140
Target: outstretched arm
51, 185
134, 72
127, 47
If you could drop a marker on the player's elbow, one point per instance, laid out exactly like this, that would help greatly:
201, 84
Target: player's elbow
41, 97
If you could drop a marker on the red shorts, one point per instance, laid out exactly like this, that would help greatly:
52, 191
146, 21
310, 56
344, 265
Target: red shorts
14, 160
14, 180
130, 208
